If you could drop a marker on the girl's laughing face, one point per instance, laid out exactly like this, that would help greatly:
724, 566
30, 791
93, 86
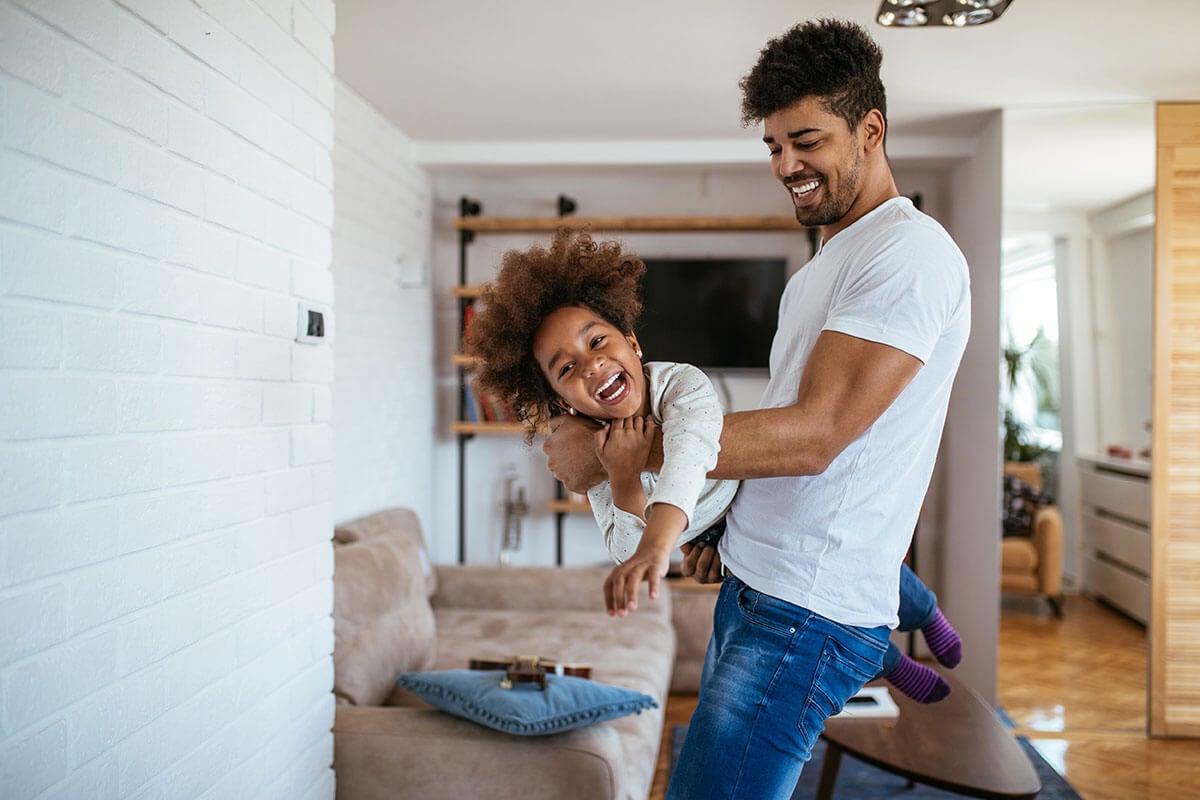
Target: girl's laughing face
595, 368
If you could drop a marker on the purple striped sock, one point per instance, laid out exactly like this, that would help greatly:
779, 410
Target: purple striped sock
943, 641
918, 681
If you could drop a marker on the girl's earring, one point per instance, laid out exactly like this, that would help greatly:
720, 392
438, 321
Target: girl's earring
571, 411
639, 353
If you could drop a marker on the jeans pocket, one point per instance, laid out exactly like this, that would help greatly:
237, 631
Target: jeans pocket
843, 668
768, 613
857, 654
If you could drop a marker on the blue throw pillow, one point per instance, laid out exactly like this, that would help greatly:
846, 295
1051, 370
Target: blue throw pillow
525, 709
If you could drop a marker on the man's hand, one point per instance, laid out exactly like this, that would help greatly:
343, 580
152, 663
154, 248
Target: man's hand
701, 562
571, 453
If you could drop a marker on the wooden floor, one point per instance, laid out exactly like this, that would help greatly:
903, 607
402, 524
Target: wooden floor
1077, 689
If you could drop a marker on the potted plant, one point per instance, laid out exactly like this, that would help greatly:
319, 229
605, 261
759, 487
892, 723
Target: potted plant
1030, 396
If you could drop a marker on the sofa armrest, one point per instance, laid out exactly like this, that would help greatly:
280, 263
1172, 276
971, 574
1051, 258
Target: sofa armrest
533, 589
1048, 541
383, 753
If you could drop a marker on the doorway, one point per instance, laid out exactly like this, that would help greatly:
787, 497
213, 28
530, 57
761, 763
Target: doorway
1076, 291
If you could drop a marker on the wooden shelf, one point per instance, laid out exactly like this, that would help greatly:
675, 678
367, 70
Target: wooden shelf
648, 224
497, 428
463, 360
469, 292
569, 507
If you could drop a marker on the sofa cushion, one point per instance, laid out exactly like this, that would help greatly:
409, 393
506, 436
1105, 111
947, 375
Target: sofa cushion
392, 522
692, 607
524, 709
635, 652
383, 624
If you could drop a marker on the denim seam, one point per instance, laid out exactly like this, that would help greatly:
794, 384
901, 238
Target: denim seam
874, 644
851, 666
760, 707
879, 648
818, 674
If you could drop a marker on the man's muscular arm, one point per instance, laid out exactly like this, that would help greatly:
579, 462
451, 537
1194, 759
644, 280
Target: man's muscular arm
571, 452
846, 385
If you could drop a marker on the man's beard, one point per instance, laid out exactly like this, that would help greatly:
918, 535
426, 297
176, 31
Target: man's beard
834, 206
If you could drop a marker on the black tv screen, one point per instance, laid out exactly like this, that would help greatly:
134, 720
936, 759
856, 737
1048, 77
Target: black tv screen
715, 313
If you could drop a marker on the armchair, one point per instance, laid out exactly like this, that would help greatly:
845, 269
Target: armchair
1033, 564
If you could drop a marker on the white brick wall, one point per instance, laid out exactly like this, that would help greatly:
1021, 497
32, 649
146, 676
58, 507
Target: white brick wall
166, 201
383, 398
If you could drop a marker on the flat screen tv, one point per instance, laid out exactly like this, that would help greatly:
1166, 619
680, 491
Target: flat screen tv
715, 313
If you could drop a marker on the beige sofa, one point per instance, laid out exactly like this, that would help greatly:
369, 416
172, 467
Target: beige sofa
394, 613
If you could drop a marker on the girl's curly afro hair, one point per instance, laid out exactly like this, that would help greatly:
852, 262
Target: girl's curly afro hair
573, 270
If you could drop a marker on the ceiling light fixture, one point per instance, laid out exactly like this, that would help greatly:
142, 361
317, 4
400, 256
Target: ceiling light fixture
934, 13
909, 18
962, 18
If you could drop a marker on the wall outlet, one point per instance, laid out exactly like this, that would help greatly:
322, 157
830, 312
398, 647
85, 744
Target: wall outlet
312, 324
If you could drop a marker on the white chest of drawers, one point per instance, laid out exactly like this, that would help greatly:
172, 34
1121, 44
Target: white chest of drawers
1115, 501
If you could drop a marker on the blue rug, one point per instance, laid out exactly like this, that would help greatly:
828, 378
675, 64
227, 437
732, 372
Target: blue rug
859, 781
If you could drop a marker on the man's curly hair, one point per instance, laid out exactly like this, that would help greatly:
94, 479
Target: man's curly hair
573, 270
834, 60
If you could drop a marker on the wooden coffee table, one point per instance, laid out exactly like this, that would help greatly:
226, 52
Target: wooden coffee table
959, 745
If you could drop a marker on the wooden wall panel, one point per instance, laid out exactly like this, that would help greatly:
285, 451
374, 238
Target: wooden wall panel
1174, 663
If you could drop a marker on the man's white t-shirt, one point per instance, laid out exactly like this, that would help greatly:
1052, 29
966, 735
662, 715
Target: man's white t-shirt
832, 543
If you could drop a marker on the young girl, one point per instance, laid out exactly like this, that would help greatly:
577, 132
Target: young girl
554, 334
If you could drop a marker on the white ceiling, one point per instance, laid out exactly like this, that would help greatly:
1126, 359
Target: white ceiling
490, 80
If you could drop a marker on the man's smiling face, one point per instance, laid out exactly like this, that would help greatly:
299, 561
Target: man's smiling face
818, 158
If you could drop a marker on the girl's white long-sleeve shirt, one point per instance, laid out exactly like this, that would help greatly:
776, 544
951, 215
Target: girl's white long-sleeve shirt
685, 405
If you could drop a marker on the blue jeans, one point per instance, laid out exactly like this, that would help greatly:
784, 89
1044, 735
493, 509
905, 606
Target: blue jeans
918, 607
773, 673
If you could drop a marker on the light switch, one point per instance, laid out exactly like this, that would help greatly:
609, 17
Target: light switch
312, 324
410, 272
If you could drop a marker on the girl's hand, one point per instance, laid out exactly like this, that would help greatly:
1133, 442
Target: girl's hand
621, 585
649, 562
623, 445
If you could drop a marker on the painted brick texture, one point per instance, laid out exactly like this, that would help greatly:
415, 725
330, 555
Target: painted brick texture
166, 447
383, 398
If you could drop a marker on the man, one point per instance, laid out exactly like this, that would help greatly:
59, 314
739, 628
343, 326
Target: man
836, 461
